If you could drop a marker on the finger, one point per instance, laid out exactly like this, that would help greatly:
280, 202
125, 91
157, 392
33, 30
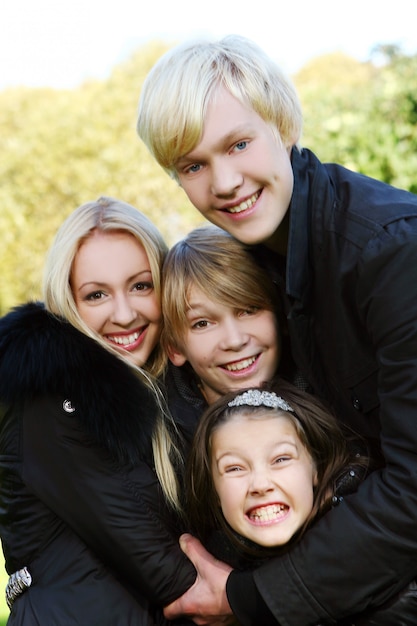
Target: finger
194, 549
173, 610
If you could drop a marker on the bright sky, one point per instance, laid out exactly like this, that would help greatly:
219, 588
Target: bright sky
61, 43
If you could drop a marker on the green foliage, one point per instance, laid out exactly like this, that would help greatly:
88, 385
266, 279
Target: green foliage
63, 148
364, 115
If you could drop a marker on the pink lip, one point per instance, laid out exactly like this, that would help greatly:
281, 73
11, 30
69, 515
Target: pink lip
244, 371
225, 208
267, 522
131, 347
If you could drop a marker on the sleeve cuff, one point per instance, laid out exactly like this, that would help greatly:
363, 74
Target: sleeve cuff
246, 602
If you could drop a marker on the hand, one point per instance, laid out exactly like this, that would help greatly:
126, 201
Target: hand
206, 601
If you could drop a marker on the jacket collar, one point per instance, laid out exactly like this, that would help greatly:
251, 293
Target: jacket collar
298, 251
44, 356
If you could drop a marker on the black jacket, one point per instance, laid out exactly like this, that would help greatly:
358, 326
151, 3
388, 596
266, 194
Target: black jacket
351, 286
80, 505
185, 400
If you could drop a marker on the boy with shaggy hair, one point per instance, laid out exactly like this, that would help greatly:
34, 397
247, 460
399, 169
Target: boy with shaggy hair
223, 326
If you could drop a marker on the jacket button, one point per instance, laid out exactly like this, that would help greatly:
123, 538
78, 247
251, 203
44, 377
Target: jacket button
356, 404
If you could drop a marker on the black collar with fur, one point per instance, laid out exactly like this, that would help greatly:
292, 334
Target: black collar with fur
43, 355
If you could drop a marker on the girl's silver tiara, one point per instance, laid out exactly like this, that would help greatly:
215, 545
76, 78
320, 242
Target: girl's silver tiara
255, 397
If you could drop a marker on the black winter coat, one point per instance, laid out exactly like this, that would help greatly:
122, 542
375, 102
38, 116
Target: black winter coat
351, 286
185, 400
80, 504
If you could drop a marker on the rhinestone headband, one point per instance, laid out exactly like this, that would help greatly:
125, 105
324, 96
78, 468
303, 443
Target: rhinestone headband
255, 397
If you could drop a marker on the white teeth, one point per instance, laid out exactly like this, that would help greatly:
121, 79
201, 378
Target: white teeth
267, 513
126, 340
241, 365
245, 205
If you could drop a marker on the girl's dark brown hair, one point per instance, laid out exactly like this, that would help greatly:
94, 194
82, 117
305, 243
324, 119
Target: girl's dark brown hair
318, 431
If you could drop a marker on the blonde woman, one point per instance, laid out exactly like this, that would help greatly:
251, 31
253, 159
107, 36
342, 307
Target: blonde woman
84, 523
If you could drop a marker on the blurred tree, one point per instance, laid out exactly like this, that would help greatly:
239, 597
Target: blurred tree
63, 148
363, 115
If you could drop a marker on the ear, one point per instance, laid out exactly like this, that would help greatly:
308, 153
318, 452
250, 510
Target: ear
315, 479
176, 357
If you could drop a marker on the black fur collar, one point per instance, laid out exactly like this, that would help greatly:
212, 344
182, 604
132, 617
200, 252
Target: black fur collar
43, 355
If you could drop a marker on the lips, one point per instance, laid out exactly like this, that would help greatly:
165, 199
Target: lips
246, 204
267, 513
237, 366
127, 341
124, 340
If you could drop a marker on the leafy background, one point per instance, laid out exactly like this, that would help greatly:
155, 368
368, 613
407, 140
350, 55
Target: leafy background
61, 148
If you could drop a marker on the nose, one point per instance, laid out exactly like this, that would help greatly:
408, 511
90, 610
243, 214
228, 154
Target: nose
226, 180
234, 335
123, 313
261, 481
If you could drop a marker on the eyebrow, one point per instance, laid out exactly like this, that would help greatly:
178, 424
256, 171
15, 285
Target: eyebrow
97, 283
196, 311
285, 442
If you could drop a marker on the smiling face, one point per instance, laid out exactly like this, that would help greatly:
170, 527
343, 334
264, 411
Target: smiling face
239, 176
112, 284
228, 348
263, 475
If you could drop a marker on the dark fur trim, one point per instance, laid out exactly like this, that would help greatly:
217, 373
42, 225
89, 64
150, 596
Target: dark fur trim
43, 355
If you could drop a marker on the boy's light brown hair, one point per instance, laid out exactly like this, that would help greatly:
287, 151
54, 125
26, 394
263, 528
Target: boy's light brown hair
222, 268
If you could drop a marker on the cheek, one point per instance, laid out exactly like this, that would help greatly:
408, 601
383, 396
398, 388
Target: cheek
200, 348
271, 328
310, 482
152, 309
92, 317
265, 328
196, 192
230, 497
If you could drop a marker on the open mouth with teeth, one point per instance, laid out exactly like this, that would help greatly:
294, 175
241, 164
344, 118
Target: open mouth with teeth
239, 366
267, 514
246, 204
127, 342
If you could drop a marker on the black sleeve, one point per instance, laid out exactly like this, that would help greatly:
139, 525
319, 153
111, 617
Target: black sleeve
402, 609
364, 551
118, 513
246, 601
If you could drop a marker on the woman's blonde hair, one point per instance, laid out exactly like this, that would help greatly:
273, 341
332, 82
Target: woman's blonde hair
112, 215
175, 94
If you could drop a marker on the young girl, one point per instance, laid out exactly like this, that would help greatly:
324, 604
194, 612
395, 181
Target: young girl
266, 463
84, 526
